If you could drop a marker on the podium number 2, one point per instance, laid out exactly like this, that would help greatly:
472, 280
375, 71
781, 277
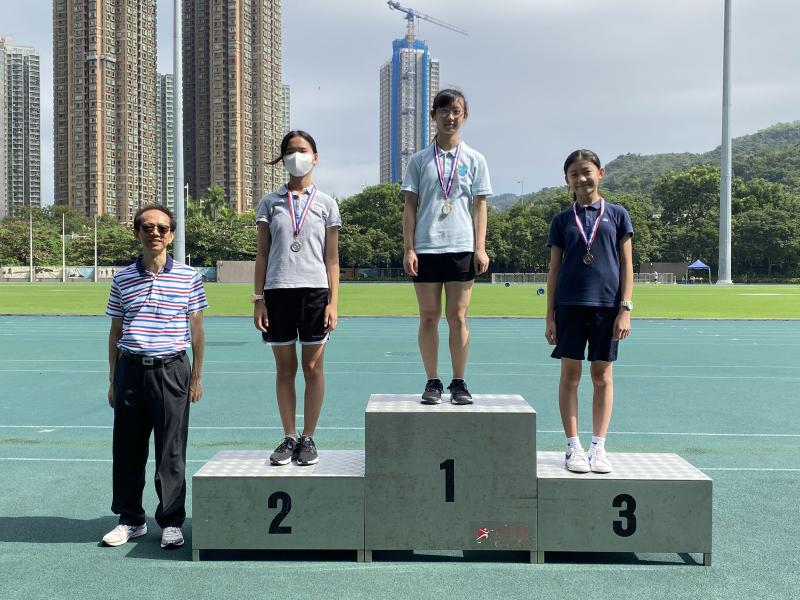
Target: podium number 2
286, 506
448, 467
628, 528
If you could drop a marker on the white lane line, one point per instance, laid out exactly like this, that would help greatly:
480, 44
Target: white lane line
202, 461
553, 364
618, 376
545, 431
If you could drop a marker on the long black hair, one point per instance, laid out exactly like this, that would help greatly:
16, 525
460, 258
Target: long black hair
285, 143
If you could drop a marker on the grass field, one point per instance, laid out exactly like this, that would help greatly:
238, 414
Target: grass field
364, 299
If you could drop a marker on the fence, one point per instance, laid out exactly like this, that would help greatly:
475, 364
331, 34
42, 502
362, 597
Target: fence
54, 274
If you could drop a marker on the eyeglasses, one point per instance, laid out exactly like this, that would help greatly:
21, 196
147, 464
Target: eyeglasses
447, 112
150, 228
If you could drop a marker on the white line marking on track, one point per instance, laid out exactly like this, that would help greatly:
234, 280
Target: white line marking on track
203, 461
545, 431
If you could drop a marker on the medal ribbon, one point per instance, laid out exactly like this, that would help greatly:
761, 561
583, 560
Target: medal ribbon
440, 168
595, 227
299, 219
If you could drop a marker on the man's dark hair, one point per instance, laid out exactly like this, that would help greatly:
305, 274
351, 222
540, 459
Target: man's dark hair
137, 218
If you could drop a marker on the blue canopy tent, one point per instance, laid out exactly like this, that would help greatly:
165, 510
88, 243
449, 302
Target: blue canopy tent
698, 265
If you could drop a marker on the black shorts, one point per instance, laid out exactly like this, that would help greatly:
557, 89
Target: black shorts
577, 325
450, 266
295, 313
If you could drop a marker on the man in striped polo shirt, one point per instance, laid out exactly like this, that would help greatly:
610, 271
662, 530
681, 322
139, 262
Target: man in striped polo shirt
156, 309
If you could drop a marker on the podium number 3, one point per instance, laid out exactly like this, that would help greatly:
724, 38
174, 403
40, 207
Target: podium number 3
448, 467
286, 506
628, 527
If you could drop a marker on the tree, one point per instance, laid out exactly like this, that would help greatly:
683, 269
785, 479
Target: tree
373, 227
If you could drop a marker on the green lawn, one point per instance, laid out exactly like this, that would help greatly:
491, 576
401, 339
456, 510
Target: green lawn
655, 301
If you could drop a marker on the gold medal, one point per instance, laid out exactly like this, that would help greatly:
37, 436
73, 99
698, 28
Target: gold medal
447, 208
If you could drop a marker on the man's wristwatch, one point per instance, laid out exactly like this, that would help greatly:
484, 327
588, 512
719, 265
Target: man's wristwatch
627, 305
257, 297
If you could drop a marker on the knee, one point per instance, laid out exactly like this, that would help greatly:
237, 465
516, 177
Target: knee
601, 379
285, 372
571, 378
457, 319
429, 318
312, 369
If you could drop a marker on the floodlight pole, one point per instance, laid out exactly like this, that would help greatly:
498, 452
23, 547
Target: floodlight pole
30, 242
63, 248
94, 278
179, 247
724, 268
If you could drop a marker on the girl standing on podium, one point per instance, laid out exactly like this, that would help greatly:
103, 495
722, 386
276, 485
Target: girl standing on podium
444, 239
589, 291
297, 289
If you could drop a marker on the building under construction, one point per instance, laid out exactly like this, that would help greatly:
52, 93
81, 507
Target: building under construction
409, 83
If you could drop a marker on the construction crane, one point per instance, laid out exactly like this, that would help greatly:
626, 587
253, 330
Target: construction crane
412, 16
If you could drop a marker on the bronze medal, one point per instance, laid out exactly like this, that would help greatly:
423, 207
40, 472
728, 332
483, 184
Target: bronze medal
588, 259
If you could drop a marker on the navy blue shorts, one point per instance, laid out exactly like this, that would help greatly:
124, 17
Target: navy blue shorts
440, 268
577, 325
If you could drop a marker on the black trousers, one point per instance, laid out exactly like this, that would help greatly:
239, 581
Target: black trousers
150, 398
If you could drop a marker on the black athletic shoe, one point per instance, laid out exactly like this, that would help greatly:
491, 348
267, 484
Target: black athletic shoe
433, 392
307, 454
459, 394
284, 453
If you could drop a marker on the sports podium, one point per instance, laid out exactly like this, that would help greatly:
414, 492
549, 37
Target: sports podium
449, 477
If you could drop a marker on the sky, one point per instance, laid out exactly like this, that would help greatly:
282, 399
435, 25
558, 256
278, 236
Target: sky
542, 77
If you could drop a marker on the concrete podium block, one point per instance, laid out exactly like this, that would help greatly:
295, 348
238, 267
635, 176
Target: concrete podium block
241, 502
449, 477
649, 503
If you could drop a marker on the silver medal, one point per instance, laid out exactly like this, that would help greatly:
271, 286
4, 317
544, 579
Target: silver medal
296, 245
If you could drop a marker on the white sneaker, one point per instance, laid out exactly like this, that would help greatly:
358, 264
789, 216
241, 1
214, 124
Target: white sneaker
598, 460
171, 537
122, 533
575, 460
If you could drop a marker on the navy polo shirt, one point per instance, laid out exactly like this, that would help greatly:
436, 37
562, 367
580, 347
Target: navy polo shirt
596, 284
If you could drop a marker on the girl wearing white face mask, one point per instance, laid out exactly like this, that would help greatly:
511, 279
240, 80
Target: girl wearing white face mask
296, 289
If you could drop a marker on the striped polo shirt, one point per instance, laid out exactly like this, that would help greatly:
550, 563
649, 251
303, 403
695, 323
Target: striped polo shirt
155, 309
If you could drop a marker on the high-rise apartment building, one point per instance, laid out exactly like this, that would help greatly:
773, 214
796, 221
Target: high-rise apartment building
104, 80
408, 84
287, 101
20, 129
165, 142
232, 98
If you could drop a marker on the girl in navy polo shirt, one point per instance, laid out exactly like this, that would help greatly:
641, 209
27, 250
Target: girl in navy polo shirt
589, 290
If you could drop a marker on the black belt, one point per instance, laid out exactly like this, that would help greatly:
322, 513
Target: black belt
153, 361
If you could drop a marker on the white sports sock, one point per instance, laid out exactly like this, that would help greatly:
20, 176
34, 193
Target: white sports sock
573, 442
598, 442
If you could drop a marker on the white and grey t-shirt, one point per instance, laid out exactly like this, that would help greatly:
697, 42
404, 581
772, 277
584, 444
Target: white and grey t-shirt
436, 232
305, 268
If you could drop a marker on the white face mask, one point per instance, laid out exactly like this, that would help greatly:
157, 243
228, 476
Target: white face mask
298, 163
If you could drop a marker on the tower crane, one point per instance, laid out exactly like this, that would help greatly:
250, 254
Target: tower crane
412, 16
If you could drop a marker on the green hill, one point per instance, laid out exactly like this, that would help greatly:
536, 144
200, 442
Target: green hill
772, 154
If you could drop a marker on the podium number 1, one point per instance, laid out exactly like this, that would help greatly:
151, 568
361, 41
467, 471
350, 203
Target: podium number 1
628, 528
448, 467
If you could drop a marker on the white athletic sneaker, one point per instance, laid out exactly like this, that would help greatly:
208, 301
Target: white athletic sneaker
575, 460
598, 460
122, 533
171, 537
